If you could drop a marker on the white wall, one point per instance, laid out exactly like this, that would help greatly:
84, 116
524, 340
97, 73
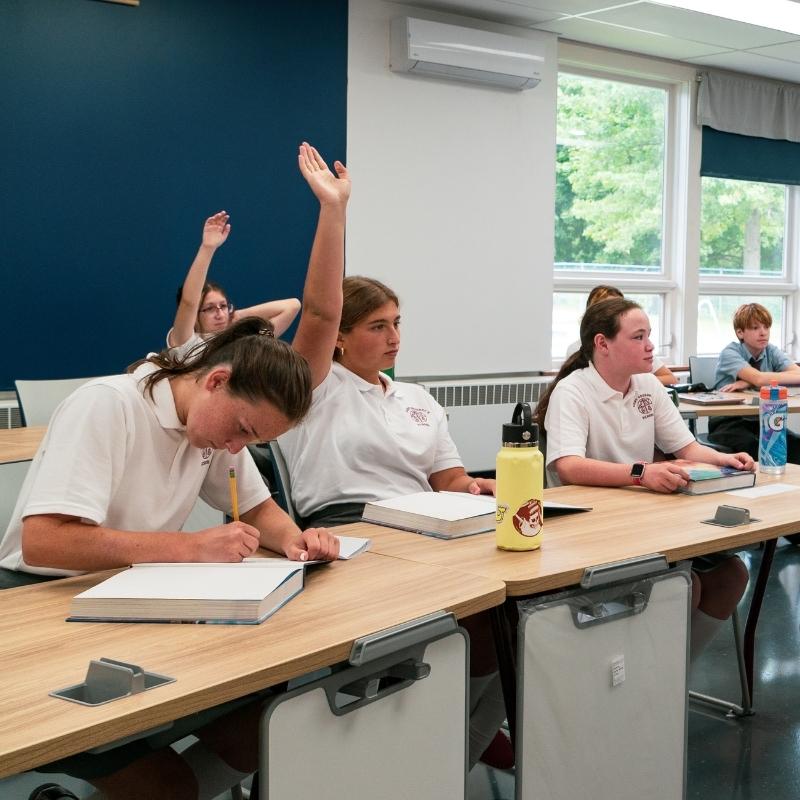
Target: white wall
453, 202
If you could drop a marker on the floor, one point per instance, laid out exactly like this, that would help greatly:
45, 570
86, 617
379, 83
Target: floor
756, 758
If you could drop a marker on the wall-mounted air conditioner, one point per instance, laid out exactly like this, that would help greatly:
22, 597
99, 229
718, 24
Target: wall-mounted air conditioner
436, 49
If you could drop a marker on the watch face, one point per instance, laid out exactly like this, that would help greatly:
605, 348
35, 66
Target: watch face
637, 470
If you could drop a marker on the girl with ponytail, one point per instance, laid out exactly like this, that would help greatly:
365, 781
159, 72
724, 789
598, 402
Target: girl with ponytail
606, 413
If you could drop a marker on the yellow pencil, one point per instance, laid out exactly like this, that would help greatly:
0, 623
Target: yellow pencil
234, 495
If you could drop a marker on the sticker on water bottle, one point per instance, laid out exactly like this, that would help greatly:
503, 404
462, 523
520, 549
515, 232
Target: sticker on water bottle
528, 519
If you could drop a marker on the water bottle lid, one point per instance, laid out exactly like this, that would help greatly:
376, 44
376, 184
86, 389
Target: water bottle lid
521, 430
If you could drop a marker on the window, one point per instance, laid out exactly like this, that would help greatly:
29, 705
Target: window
610, 161
742, 258
568, 308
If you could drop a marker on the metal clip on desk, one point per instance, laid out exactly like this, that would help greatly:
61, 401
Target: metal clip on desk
107, 680
730, 517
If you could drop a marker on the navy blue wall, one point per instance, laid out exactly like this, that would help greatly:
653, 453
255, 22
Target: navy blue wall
122, 129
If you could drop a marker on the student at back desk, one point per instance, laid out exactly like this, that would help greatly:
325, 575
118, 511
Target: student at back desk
751, 362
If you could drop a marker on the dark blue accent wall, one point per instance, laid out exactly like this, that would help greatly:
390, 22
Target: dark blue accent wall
122, 129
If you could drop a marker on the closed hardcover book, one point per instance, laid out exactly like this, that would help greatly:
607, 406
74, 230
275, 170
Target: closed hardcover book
445, 515
714, 398
245, 593
708, 478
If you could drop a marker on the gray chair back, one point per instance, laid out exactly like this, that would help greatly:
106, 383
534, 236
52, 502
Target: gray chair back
39, 399
703, 369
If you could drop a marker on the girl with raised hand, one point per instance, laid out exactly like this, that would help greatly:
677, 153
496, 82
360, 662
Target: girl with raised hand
119, 470
203, 306
368, 438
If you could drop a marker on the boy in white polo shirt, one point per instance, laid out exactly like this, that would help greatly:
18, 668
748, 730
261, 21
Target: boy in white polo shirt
605, 414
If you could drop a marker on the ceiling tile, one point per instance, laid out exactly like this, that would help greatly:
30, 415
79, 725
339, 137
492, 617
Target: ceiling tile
583, 29
743, 61
683, 24
790, 51
504, 11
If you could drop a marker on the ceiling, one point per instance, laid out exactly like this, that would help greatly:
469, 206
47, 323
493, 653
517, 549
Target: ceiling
651, 29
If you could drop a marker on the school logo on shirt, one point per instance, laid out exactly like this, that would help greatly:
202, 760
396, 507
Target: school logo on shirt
644, 405
418, 415
205, 456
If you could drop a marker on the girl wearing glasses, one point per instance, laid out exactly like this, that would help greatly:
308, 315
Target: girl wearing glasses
122, 463
203, 307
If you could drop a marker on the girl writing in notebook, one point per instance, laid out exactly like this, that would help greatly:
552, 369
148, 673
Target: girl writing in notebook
605, 414
120, 468
203, 306
368, 438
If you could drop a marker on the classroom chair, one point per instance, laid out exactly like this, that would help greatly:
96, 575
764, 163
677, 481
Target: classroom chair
703, 369
38, 400
272, 465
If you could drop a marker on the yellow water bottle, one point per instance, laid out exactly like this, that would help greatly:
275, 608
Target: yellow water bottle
520, 484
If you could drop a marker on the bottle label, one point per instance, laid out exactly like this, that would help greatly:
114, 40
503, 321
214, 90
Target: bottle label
527, 519
772, 442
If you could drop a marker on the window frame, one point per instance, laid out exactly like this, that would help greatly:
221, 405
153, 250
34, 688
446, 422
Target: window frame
663, 283
680, 283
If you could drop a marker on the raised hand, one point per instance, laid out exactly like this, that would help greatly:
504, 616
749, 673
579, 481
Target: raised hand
327, 187
216, 230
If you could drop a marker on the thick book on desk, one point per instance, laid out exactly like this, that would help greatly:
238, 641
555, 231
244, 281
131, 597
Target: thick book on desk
708, 478
445, 515
713, 398
245, 593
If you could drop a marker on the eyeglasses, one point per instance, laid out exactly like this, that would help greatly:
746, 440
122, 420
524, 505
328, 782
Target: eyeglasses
225, 308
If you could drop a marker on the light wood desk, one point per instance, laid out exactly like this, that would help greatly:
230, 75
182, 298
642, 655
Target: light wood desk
625, 523
746, 409
212, 663
20, 444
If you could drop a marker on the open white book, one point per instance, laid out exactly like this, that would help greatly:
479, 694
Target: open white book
244, 593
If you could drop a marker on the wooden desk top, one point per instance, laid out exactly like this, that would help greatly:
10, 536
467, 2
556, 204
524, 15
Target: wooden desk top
624, 523
40, 652
20, 444
746, 409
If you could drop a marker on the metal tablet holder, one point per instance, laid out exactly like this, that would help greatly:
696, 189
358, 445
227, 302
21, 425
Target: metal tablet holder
107, 680
730, 517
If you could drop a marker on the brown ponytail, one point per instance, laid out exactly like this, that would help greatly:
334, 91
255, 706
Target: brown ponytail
262, 367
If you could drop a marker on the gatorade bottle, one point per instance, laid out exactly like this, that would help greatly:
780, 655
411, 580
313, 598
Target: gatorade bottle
520, 484
773, 410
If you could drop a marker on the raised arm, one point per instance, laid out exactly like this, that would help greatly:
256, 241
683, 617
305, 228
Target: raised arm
280, 313
322, 295
215, 232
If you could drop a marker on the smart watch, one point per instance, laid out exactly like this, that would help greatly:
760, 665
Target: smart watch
637, 472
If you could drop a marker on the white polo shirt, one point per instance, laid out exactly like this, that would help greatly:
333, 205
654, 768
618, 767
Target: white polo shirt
181, 350
359, 443
587, 418
115, 457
